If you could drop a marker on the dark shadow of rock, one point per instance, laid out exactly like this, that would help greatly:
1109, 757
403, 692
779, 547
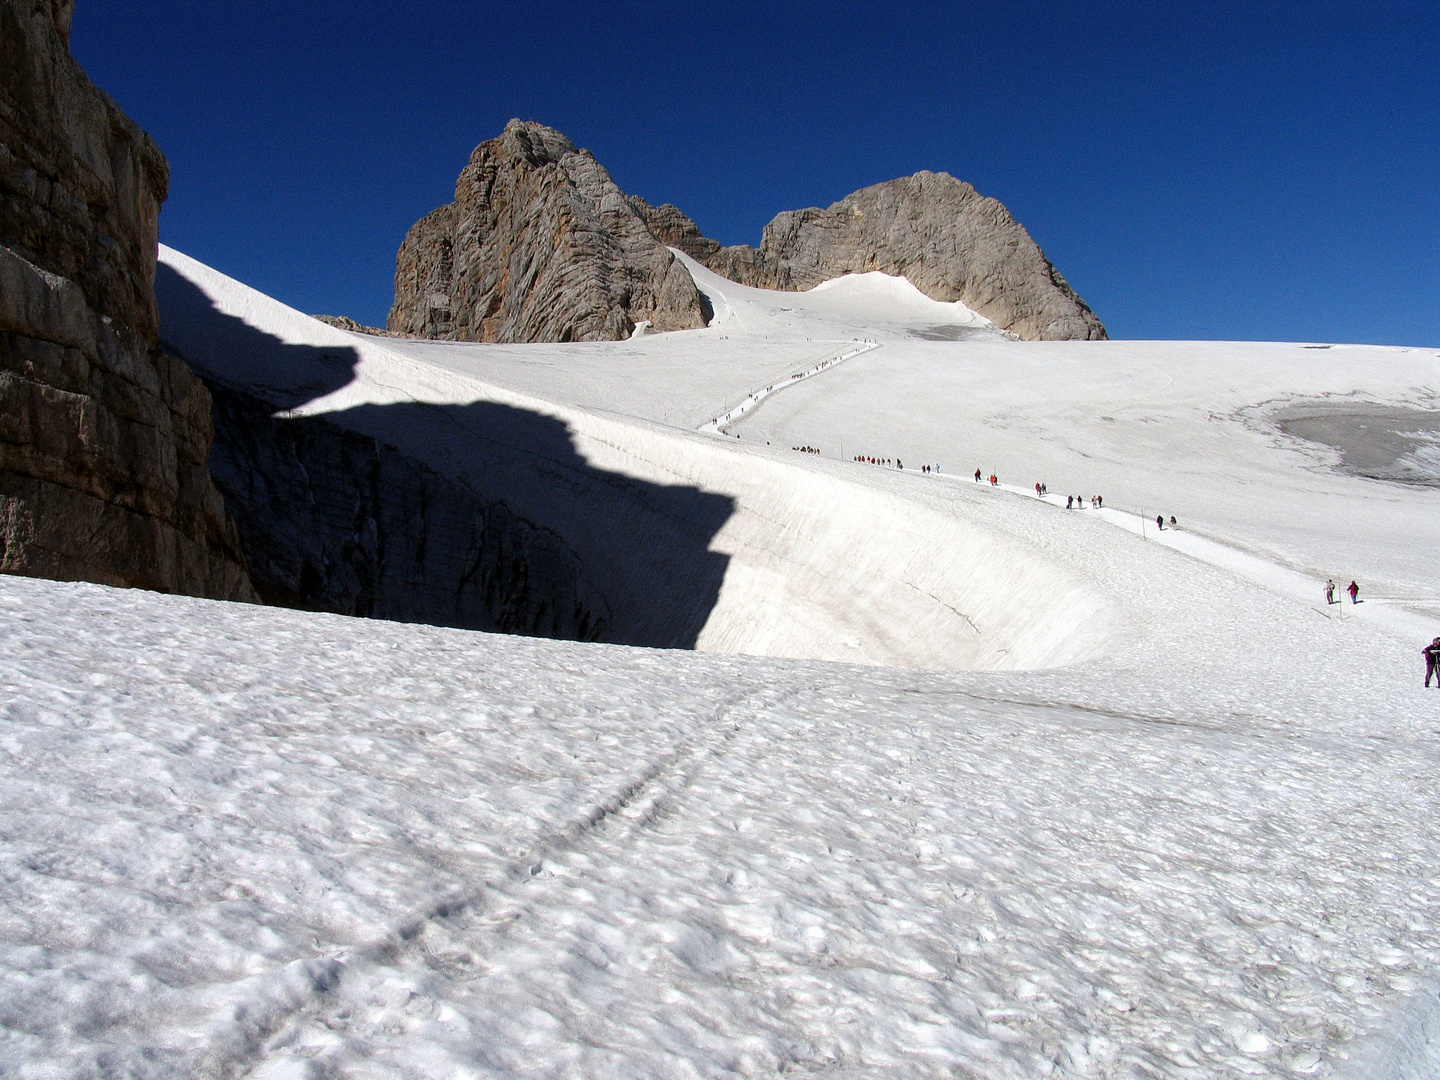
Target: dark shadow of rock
642, 547
223, 347
481, 516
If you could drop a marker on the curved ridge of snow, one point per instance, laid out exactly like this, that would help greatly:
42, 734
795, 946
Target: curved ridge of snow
895, 292
819, 567
870, 299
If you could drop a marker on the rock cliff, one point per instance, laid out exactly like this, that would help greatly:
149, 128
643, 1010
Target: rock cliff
103, 440
539, 245
950, 242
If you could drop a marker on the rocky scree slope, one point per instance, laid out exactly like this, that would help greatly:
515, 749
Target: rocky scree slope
951, 242
539, 245
103, 438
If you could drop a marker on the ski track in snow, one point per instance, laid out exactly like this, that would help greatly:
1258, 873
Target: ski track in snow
241, 841
755, 397
254, 841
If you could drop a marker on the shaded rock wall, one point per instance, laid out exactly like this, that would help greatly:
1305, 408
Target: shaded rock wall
332, 520
951, 243
103, 441
539, 245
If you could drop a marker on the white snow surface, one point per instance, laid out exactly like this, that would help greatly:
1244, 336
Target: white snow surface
1154, 809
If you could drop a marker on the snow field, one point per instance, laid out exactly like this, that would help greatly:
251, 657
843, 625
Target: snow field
247, 840
755, 397
1181, 822
1156, 427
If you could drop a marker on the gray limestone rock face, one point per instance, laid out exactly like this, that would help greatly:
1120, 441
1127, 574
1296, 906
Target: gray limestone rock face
951, 242
539, 245
670, 225
103, 439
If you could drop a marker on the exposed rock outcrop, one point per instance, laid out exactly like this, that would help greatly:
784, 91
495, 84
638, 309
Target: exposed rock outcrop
334, 521
103, 440
950, 242
344, 322
539, 245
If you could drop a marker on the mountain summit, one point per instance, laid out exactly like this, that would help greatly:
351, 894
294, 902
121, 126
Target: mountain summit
541, 245
951, 242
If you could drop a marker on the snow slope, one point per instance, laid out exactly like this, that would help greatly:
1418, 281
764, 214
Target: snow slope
804, 573
247, 841
1177, 819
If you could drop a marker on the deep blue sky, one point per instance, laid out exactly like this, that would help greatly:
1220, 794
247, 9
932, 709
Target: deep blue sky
1197, 170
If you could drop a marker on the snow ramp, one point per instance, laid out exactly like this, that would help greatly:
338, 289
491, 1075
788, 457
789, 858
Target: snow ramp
689, 541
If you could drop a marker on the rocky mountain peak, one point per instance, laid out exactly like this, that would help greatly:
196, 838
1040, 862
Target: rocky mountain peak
539, 245
951, 242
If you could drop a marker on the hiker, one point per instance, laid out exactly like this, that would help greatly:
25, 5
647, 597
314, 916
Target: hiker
977, 476
1172, 521
1043, 489
1432, 662
1069, 502
1100, 502
1330, 591
1354, 591
994, 480
1037, 489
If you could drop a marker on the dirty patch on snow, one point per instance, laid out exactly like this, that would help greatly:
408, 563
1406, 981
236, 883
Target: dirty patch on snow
951, 332
1379, 442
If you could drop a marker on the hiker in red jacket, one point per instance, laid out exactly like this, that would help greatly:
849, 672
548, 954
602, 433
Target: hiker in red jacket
1354, 591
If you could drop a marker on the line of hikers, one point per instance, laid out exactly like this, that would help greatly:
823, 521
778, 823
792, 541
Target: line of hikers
895, 463
1431, 651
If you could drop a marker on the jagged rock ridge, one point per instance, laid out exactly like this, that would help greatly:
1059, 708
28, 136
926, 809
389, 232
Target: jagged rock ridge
103, 440
951, 242
539, 245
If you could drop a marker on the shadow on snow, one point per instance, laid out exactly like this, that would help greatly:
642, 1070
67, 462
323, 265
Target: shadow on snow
480, 515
